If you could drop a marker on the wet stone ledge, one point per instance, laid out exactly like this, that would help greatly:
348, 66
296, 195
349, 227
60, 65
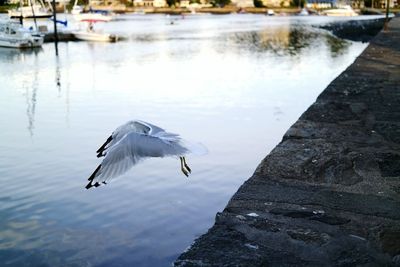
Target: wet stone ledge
355, 30
329, 193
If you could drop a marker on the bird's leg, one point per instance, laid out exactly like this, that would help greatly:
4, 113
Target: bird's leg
182, 168
186, 166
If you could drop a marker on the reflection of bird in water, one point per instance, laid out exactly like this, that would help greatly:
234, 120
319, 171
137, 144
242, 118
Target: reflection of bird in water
136, 140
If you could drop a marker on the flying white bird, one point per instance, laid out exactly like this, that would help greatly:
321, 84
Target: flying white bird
134, 141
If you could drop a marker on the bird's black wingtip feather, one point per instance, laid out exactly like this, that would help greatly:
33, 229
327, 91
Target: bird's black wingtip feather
94, 173
90, 179
101, 149
90, 185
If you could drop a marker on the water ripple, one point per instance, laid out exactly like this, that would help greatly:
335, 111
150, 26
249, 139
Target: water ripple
235, 83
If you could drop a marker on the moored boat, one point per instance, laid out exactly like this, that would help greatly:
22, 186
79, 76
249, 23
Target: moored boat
95, 37
303, 12
13, 35
31, 11
76, 10
344, 11
91, 35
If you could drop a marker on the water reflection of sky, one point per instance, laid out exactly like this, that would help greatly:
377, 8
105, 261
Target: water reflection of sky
234, 83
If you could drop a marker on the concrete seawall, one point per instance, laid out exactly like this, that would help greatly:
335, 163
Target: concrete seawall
329, 193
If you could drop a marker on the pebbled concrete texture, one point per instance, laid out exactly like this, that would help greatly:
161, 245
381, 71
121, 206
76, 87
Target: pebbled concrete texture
329, 193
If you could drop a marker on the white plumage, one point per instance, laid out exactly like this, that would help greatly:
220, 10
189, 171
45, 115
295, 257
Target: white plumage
136, 140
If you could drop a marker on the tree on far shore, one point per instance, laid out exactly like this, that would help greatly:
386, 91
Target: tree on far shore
258, 3
172, 2
295, 3
220, 3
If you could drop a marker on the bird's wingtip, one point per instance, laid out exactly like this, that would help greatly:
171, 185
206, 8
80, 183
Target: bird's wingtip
91, 178
90, 185
103, 146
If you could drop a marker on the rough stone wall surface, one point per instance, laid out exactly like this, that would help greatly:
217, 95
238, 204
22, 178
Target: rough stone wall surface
329, 193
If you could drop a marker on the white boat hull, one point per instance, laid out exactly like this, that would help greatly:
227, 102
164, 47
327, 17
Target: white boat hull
95, 37
304, 12
20, 43
13, 35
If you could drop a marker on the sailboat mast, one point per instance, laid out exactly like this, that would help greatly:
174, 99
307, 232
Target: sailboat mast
33, 14
21, 15
49, 4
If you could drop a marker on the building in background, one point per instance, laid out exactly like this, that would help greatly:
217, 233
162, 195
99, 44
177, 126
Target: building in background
243, 3
150, 3
276, 3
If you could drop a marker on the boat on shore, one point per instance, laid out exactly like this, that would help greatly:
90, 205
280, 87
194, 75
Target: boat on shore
344, 11
303, 12
13, 35
270, 12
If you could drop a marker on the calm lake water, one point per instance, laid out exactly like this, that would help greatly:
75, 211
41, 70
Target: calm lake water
234, 83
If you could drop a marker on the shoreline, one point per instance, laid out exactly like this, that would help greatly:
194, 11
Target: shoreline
179, 11
210, 10
328, 193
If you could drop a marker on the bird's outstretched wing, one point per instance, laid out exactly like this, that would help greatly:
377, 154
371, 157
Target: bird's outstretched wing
128, 151
136, 126
147, 128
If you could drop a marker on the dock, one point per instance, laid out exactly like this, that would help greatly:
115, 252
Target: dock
62, 37
329, 193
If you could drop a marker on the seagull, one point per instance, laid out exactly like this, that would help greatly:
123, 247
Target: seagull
137, 140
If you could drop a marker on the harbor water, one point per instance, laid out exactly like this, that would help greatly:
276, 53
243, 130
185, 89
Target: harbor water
235, 83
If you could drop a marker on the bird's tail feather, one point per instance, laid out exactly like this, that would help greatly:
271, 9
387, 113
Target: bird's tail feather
197, 149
